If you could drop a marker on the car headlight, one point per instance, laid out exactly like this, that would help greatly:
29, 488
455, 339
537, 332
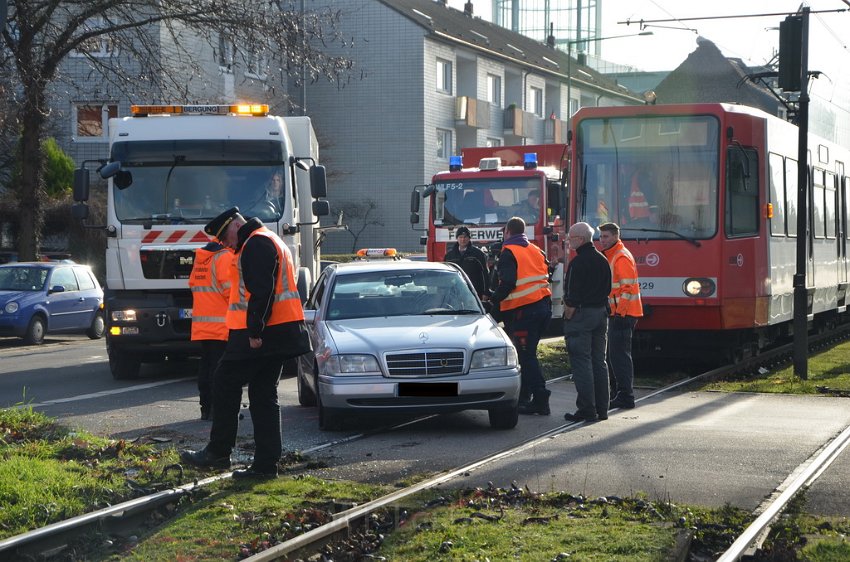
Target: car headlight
11, 307
351, 365
699, 287
123, 315
495, 357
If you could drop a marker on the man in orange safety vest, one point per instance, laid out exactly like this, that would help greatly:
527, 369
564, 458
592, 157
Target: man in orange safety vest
626, 308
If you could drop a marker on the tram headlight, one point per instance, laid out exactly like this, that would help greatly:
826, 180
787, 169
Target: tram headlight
699, 287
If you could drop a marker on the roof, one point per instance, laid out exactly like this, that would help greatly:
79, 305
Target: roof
454, 26
708, 76
366, 266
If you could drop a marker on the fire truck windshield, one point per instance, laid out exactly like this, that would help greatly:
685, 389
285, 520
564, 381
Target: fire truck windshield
487, 200
193, 181
657, 177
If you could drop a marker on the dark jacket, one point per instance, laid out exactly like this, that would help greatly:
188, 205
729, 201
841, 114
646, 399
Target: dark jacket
259, 262
587, 281
473, 261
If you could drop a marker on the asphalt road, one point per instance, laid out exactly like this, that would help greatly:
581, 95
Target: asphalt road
704, 448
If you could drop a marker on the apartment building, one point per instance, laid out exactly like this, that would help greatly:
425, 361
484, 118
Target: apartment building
429, 81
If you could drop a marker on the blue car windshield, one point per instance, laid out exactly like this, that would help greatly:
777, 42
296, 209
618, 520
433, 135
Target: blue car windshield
22, 278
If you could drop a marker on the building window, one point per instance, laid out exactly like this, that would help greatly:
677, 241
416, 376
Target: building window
490, 142
91, 120
256, 65
99, 46
494, 89
536, 101
444, 76
225, 53
444, 144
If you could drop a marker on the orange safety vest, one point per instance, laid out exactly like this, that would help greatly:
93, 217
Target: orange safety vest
210, 284
638, 207
624, 299
286, 302
532, 277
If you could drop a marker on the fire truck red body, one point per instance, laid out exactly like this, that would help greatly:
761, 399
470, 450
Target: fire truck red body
490, 186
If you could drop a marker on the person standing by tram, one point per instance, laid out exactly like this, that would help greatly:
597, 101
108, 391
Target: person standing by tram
210, 285
626, 308
587, 284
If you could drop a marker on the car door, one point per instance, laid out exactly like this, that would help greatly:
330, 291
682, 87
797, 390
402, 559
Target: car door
65, 306
91, 294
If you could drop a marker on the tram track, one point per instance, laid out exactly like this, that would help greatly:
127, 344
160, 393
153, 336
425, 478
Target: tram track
40, 543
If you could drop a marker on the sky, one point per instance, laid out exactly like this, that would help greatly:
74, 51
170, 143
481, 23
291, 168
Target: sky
752, 39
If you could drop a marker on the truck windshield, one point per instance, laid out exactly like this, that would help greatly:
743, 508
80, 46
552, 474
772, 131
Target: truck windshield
487, 201
656, 177
193, 181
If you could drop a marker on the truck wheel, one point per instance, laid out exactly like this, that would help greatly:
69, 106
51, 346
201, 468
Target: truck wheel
306, 396
35, 331
503, 418
97, 327
124, 365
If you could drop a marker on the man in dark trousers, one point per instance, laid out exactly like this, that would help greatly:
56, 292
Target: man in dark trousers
587, 283
266, 324
524, 303
210, 285
626, 308
472, 260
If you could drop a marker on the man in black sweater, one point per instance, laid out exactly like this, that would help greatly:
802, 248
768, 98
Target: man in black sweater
587, 284
471, 259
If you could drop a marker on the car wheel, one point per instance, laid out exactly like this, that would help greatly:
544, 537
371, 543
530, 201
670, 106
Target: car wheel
97, 327
124, 365
306, 396
327, 420
504, 418
35, 331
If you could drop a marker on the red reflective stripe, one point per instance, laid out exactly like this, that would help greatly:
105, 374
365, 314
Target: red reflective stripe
200, 236
175, 236
151, 236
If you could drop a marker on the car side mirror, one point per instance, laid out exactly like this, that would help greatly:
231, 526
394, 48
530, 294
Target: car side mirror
309, 316
57, 289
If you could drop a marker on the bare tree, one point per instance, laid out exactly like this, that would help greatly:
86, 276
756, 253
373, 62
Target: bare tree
151, 54
358, 216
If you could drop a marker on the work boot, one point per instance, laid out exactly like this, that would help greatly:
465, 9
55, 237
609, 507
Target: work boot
539, 404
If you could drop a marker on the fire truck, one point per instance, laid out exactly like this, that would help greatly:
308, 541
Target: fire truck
171, 169
527, 181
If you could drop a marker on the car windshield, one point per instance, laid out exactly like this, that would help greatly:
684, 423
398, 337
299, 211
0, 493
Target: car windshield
22, 278
401, 293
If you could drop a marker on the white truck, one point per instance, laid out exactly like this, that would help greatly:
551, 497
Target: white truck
172, 168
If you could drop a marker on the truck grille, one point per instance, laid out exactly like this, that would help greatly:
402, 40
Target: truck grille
167, 264
427, 364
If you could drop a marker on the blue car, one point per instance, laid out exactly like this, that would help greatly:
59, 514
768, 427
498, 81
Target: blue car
37, 298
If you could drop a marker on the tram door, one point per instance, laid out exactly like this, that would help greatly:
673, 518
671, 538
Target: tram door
841, 235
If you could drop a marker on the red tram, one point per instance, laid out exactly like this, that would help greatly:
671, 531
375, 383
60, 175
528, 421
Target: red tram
706, 197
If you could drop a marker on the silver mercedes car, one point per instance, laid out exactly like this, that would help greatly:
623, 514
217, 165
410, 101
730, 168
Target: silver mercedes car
404, 337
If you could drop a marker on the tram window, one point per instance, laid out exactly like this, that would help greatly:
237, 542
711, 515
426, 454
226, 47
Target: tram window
791, 195
818, 224
830, 205
777, 194
742, 216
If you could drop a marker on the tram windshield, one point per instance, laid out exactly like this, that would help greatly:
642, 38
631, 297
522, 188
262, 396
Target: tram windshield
657, 177
487, 201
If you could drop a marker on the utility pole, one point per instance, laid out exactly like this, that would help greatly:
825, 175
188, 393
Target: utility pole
793, 75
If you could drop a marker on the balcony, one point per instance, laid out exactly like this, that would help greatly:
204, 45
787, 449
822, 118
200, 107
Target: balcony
518, 122
556, 131
472, 112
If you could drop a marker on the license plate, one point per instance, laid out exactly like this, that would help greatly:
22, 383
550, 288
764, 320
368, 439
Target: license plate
427, 389
186, 313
